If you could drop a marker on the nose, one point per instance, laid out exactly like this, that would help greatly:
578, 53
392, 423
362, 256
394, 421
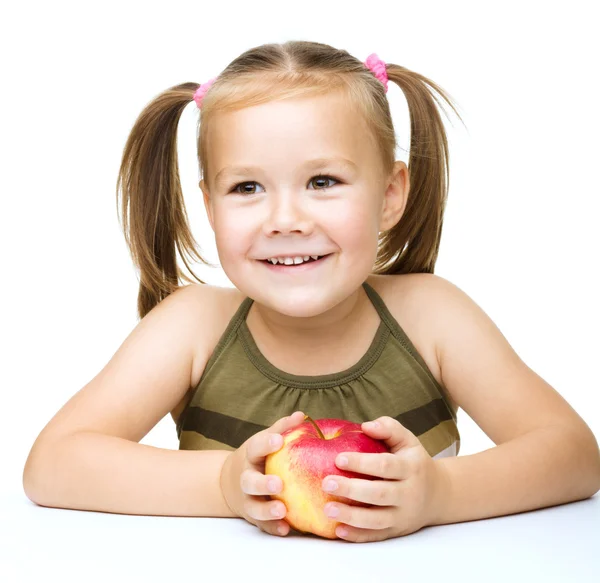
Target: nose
287, 214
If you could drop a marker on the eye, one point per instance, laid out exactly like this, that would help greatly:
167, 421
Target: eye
322, 178
235, 190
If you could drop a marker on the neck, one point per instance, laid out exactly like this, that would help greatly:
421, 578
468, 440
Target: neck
312, 333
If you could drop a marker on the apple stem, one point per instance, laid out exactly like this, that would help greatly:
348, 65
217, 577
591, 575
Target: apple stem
316, 426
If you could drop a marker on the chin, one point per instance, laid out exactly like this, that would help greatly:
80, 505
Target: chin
296, 297
297, 303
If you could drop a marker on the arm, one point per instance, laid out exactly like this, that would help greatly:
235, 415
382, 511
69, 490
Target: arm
92, 471
89, 455
546, 467
545, 453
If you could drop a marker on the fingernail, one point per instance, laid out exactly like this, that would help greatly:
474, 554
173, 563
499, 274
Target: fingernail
272, 485
275, 440
332, 511
276, 512
330, 486
342, 461
372, 425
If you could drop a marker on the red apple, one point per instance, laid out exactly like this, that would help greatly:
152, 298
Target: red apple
308, 455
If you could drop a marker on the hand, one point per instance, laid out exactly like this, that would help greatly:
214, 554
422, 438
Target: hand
403, 502
246, 488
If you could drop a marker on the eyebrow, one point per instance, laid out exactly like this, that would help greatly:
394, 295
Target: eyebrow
231, 171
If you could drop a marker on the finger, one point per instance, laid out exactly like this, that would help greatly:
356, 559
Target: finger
269, 440
380, 465
363, 535
260, 509
376, 492
288, 422
255, 483
371, 518
275, 527
392, 432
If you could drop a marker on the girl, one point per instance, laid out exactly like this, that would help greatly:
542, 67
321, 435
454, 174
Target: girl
331, 245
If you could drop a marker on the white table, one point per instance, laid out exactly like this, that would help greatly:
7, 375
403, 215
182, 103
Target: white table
37, 544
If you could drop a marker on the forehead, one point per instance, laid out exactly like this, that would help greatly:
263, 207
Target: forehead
280, 135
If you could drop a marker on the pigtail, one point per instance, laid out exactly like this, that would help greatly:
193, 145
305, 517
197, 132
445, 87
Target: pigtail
412, 245
153, 216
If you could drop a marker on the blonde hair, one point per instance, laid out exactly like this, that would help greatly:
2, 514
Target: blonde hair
153, 215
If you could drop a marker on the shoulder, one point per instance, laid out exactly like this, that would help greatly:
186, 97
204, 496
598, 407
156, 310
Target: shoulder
209, 309
445, 311
413, 300
455, 318
408, 289
195, 310
205, 300
437, 301
418, 297
416, 284
438, 317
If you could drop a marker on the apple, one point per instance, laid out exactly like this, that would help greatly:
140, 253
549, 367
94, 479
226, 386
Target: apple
306, 457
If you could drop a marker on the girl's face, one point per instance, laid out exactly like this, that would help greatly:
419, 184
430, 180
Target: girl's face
269, 193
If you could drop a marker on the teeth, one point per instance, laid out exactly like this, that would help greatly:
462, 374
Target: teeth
292, 260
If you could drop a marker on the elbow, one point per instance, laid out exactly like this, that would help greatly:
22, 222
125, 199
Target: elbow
596, 487
28, 486
596, 482
36, 477
588, 446
30, 481
581, 448
595, 454
31, 492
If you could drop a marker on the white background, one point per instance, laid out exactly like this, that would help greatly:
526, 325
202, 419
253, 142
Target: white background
520, 233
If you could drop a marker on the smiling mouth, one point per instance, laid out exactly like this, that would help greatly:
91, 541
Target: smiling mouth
310, 260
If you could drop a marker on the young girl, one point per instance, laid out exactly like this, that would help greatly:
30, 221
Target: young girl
331, 245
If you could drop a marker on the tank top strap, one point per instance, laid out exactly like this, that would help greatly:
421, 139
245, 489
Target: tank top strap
229, 332
397, 331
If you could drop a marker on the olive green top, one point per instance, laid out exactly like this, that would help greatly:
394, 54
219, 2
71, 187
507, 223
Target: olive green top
241, 392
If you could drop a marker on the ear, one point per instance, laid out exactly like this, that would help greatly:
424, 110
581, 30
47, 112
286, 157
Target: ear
395, 196
207, 203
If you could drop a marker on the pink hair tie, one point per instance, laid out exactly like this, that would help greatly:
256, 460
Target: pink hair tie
201, 91
378, 67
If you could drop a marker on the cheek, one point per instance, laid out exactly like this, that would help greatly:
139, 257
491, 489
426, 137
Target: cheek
356, 224
231, 233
